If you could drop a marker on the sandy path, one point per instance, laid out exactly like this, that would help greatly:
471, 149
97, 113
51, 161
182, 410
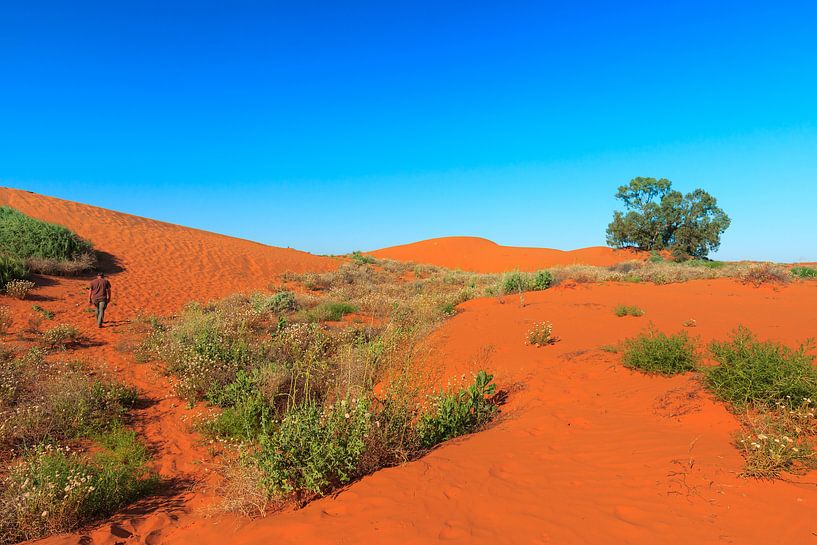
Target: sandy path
482, 255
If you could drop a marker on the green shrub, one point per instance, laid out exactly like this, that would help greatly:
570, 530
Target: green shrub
278, 303
804, 272
459, 412
361, 259
518, 282
11, 268
332, 311
314, 449
624, 310
22, 236
706, 263
60, 337
655, 352
751, 372
56, 490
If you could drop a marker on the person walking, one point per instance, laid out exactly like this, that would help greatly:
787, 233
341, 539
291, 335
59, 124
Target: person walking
100, 296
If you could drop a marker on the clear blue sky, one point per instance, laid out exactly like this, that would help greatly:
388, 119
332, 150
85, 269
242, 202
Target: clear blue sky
338, 126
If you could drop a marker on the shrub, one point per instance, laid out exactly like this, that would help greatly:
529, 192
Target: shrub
624, 310
361, 259
278, 303
765, 273
56, 490
779, 439
540, 334
19, 288
312, 449
804, 272
23, 237
751, 372
459, 412
656, 352
332, 311
11, 268
518, 282
60, 337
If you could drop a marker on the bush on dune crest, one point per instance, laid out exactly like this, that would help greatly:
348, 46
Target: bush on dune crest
44, 247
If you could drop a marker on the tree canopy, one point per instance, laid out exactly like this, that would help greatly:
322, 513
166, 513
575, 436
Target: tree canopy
657, 217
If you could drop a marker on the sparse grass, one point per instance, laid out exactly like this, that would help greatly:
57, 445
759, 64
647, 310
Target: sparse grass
764, 273
56, 489
625, 310
761, 373
779, 439
541, 334
805, 273
658, 353
6, 319
44, 247
47, 314
19, 289
60, 337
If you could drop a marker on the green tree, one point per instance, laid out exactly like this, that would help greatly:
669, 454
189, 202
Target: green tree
660, 218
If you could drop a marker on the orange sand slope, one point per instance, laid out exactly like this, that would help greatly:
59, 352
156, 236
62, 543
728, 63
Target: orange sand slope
166, 265
481, 255
586, 451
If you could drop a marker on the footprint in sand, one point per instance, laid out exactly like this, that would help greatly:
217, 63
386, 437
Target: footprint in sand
454, 529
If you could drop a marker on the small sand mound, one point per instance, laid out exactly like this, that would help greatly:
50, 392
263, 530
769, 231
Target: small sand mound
481, 255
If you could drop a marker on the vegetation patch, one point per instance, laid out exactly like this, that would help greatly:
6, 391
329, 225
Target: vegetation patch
765, 273
656, 352
805, 273
19, 289
54, 489
60, 337
541, 334
761, 373
628, 310
44, 247
296, 395
781, 438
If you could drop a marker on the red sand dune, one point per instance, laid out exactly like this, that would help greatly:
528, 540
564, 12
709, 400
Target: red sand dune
585, 451
481, 255
167, 265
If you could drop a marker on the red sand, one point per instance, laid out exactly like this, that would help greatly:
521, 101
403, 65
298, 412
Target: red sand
585, 452
167, 265
481, 255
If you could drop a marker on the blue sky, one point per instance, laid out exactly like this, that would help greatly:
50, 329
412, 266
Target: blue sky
338, 126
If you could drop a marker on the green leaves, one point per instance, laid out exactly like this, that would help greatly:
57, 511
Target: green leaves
659, 218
